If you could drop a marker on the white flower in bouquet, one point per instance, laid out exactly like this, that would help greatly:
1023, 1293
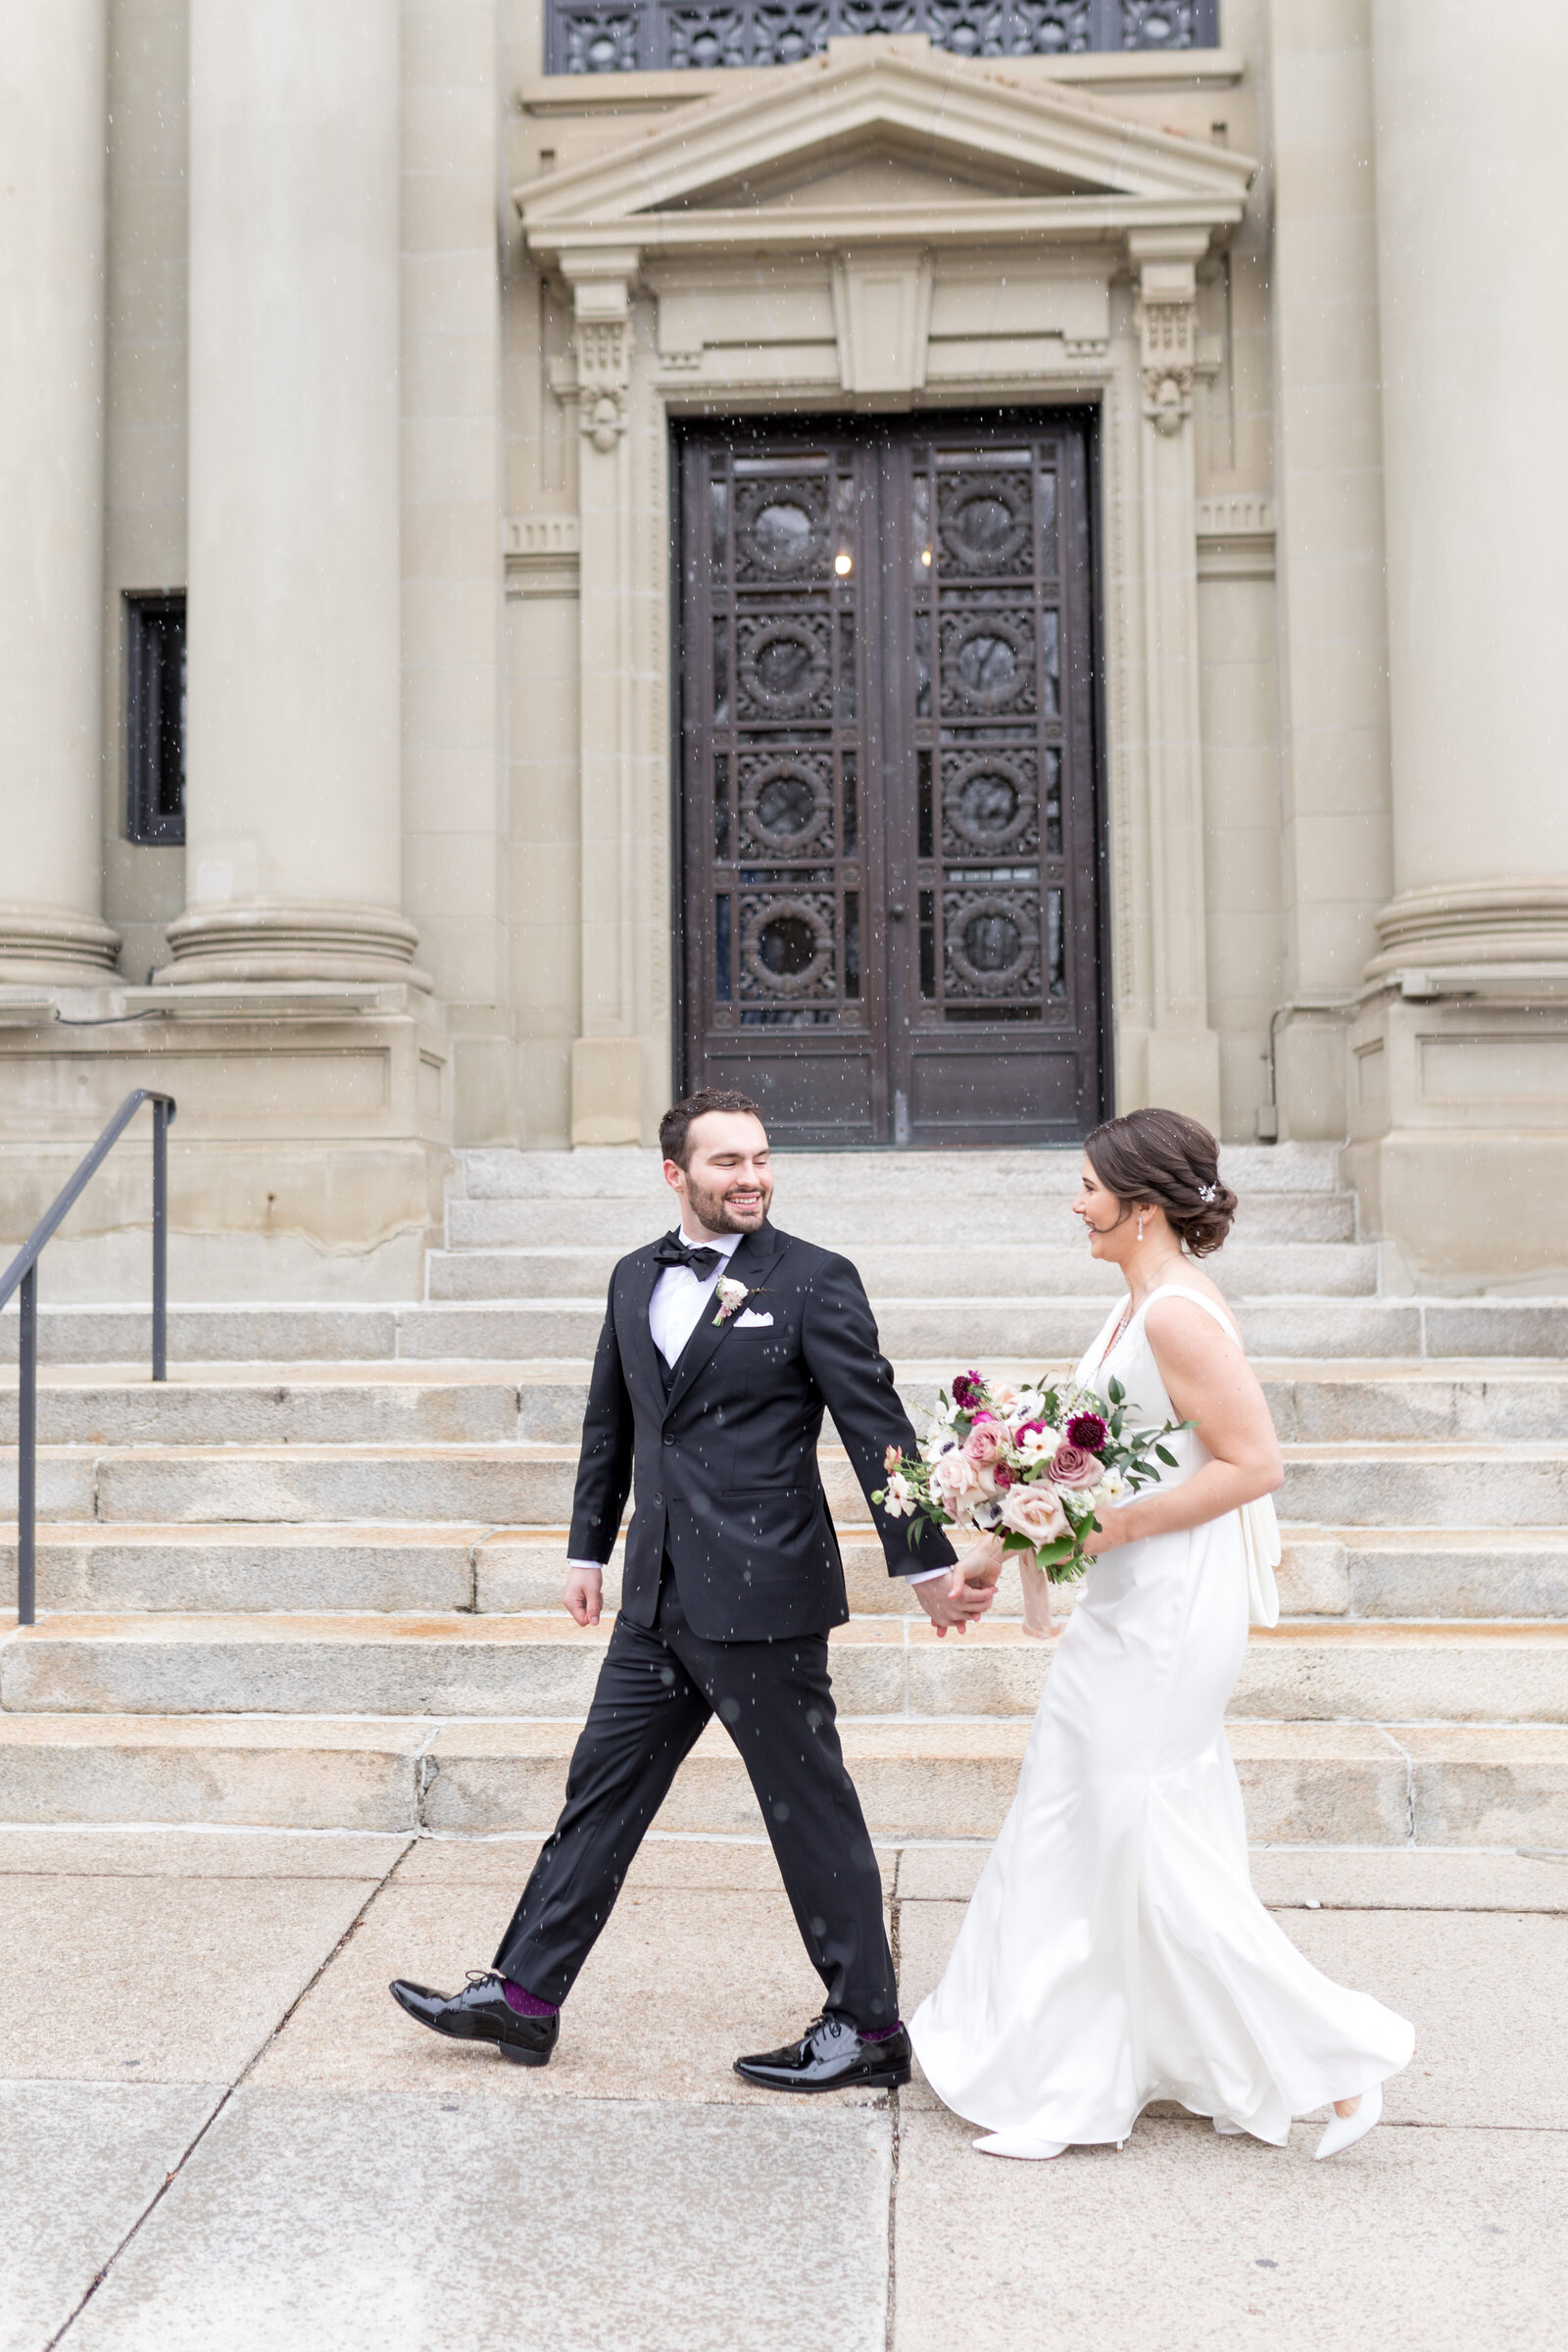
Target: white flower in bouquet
1034, 1444
1111, 1490
900, 1500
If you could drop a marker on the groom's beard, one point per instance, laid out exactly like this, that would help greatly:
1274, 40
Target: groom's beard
712, 1210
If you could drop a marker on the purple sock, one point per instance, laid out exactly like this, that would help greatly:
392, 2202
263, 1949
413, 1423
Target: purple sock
524, 2004
883, 2033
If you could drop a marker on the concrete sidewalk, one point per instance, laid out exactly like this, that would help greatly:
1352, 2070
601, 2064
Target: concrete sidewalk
216, 2133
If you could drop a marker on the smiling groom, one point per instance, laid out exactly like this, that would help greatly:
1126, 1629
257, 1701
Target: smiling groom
722, 1346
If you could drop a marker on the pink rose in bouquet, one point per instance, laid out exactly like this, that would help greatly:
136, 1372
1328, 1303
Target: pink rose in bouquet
985, 1442
1034, 1511
1072, 1466
955, 1482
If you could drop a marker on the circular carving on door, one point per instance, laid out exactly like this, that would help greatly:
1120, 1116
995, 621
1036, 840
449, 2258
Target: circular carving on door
992, 943
785, 947
781, 528
988, 658
985, 522
783, 665
786, 804
988, 801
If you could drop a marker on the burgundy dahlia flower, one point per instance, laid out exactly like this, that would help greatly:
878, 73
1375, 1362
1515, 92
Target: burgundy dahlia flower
1088, 1431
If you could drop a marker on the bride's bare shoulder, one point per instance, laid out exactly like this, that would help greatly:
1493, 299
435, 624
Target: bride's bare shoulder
1170, 1312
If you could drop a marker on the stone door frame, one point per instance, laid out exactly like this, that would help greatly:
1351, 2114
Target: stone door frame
705, 309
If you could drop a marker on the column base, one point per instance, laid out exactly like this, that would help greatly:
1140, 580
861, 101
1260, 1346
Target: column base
280, 938
1522, 921
1458, 1143
306, 1160
55, 947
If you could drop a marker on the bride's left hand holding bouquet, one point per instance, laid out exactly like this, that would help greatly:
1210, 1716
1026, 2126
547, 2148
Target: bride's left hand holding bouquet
1028, 1468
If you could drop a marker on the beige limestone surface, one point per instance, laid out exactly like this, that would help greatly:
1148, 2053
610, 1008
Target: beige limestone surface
293, 2162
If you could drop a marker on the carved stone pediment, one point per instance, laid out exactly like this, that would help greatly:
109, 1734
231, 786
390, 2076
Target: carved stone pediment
885, 141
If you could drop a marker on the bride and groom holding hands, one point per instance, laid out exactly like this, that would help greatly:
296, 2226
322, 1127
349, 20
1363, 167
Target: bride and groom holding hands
1114, 1952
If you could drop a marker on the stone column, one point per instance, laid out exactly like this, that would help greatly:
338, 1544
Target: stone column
606, 1059
52, 136
1183, 1050
293, 856
1458, 1057
1472, 263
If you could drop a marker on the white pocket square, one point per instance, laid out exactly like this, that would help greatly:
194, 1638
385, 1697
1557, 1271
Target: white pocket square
750, 1320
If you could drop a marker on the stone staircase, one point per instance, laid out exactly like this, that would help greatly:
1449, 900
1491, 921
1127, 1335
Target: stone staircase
313, 1580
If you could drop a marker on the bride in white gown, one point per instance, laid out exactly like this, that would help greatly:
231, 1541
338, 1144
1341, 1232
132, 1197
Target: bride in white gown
1114, 1952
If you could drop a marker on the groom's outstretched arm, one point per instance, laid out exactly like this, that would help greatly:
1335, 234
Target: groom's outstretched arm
839, 1335
604, 1467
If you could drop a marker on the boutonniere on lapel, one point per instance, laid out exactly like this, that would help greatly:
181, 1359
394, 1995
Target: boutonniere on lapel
731, 1294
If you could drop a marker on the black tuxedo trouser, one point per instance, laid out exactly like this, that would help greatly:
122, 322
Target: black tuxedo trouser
655, 1691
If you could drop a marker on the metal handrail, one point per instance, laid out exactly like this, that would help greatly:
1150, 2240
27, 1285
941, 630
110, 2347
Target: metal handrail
23, 1274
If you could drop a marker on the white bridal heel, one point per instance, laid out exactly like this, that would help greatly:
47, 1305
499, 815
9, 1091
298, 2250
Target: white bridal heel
1344, 2131
1019, 2143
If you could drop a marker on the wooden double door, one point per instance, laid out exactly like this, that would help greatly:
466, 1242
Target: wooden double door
889, 849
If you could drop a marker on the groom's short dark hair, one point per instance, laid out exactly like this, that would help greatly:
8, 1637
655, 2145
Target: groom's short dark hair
674, 1128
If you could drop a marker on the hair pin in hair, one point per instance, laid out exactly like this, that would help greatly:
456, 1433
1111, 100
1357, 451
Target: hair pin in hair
1208, 1192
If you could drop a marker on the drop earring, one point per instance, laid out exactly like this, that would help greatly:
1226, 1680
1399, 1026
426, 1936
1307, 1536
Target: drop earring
1142, 1213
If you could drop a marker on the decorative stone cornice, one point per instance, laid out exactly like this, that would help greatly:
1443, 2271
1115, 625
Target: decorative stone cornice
683, 189
1478, 924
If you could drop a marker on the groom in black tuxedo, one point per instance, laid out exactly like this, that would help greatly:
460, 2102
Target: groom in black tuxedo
723, 1344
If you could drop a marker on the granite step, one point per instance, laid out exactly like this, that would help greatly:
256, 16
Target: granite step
893, 1177
859, 1222
545, 1666
543, 1402
938, 1270
1305, 1784
949, 1331
97, 1568
1410, 1486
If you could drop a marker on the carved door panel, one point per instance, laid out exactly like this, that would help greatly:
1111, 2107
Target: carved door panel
888, 849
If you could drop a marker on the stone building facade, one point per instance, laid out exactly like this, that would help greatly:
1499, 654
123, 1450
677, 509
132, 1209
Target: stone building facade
964, 567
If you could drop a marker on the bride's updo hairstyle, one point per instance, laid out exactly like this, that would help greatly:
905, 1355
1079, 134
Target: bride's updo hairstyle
1162, 1160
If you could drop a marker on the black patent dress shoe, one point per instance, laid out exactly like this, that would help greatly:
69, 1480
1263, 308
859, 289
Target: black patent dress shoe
479, 2013
830, 2055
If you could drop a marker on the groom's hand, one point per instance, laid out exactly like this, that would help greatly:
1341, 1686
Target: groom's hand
584, 1595
956, 1603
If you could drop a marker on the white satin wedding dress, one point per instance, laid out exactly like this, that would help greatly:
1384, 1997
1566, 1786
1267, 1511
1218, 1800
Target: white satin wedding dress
1114, 1952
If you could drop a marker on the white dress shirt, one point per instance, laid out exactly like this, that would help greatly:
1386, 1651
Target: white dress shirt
673, 1313
676, 1306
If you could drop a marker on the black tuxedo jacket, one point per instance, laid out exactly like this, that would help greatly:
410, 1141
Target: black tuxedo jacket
725, 1463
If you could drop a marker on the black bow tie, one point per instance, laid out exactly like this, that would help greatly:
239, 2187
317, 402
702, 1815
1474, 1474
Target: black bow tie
676, 1250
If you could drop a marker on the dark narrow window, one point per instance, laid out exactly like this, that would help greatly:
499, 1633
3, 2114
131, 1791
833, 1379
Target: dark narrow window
155, 718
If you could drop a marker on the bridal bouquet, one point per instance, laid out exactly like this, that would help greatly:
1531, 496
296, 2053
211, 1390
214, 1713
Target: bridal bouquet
1031, 1465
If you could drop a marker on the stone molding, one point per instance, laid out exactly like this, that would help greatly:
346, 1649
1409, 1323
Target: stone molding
1236, 537
55, 946
282, 940
1523, 921
541, 555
